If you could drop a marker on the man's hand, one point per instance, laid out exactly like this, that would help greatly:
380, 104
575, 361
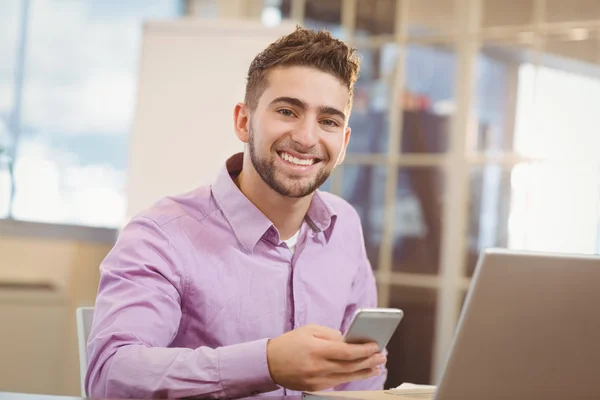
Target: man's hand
315, 358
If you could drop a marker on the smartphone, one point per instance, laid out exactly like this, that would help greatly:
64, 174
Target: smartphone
373, 325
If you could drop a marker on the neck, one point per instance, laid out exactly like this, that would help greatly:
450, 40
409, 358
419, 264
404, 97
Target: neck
286, 213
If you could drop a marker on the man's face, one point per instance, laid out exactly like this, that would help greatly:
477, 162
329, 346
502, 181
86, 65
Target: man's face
298, 132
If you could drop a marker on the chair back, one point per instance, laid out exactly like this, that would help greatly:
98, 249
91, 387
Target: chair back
85, 316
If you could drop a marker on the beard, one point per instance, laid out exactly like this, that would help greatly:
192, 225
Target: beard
288, 186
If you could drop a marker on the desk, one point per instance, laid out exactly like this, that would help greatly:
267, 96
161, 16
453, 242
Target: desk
363, 395
28, 396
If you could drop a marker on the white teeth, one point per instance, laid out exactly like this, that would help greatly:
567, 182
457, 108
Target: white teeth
297, 161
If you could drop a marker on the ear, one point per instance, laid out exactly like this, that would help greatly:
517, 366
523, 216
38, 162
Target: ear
241, 120
344, 146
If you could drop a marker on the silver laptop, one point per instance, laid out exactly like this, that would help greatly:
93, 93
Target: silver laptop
530, 329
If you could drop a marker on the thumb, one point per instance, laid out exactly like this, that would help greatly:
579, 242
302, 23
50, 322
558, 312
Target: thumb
323, 332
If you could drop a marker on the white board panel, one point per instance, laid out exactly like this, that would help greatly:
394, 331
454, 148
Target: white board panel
192, 73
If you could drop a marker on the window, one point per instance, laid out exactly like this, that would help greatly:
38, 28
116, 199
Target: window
66, 103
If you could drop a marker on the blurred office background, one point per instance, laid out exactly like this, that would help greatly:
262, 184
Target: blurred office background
475, 124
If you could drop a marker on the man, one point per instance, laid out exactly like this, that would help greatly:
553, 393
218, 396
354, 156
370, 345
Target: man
244, 287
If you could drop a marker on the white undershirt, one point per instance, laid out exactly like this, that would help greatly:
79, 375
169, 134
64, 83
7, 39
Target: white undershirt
291, 242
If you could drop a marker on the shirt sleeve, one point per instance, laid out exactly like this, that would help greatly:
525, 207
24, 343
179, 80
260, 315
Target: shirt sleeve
364, 295
137, 315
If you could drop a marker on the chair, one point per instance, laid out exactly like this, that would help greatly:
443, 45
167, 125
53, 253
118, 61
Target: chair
85, 316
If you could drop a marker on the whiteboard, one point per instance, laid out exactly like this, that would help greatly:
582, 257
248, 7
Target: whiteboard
192, 73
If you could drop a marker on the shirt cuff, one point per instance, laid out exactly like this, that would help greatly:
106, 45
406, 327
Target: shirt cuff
243, 369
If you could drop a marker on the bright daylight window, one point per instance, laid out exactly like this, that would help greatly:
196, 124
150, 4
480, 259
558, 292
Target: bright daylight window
566, 193
67, 94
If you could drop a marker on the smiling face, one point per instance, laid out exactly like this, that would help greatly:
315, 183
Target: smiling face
298, 132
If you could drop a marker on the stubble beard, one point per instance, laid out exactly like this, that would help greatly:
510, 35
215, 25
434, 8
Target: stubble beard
285, 186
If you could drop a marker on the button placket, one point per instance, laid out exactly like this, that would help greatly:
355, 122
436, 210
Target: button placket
299, 306
298, 317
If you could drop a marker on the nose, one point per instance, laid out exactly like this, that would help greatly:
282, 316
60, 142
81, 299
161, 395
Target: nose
306, 133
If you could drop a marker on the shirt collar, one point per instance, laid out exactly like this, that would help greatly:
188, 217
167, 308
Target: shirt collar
249, 224
320, 216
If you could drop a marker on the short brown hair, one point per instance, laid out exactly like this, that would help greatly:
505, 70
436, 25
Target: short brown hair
303, 47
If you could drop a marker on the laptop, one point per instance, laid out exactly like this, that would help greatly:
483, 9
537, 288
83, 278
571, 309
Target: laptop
529, 329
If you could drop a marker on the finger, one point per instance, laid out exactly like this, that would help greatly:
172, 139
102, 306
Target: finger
355, 376
346, 367
340, 351
331, 380
323, 332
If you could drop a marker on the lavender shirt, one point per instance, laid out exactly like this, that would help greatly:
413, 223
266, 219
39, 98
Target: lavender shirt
197, 284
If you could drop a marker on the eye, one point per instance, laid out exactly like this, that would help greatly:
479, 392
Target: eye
285, 112
330, 122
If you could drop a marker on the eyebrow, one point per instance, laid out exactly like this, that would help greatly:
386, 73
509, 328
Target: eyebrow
301, 104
